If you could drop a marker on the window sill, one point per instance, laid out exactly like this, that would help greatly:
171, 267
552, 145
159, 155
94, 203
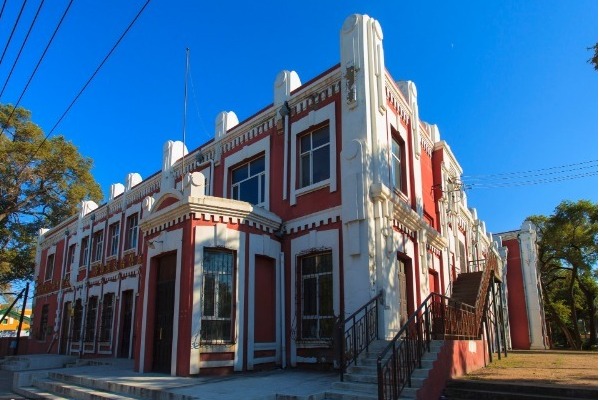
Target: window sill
129, 251
313, 187
112, 257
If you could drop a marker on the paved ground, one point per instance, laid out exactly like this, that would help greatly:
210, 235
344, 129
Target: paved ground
555, 367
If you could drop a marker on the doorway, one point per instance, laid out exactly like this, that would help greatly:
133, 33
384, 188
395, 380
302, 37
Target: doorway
264, 300
163, 313
126, 323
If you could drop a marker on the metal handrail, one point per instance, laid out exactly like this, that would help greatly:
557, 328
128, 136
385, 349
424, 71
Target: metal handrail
437, 317
363, 330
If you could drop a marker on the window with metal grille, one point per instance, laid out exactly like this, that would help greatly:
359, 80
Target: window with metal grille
316, 288
314, 157
217, 295
49, 267
77, 317
97, 245
132, 232
90, 318
107, 317
43, 323
248, 182
113, 234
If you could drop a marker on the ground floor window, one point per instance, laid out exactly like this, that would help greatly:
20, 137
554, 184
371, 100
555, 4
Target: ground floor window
43, 323
217, 295
77, 317
107, 317
316, 289
90, 320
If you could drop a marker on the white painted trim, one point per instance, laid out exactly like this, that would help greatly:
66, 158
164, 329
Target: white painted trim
301, 126
262, 245
216, 364
244, 154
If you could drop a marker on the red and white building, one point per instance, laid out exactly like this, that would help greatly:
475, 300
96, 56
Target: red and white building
242, 253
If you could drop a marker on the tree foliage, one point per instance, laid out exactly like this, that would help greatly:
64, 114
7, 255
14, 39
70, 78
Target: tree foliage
568, 255
594, 59
42, 180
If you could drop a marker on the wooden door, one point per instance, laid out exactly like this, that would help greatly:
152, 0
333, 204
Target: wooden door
264, 300
163, 314
403, 295
126, 323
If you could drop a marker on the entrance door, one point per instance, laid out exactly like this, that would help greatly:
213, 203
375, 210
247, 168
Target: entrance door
163, 314
126, 323
264, 300
64, 328
403, 295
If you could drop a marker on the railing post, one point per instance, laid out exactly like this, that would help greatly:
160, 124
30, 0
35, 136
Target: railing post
342, 340
366, 328
354, 339
395, 370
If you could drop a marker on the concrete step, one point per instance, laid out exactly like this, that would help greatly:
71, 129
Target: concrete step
32, 392
71, 391
358, 388
487, 390
36, 362
361, 378
339, 394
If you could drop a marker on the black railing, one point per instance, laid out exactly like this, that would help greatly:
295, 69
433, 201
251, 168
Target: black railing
438, 317
357, 332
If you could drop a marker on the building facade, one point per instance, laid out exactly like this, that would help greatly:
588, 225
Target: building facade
243, 253
525, 305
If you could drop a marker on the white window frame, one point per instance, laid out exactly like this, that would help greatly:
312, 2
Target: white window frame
238, 184
97, 246
114, 231
311, 157
247, 153
132, 231
300, 128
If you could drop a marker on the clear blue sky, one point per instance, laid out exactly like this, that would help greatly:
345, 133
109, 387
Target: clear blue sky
507, 82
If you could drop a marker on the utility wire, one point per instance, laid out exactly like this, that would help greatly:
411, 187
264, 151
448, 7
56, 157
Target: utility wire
2, 10
13, 30
492, 184
585, 164
37, 66
85, 85
22, 46
96, 71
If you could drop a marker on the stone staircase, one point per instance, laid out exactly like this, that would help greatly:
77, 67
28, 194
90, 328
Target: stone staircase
360, 381
459, 389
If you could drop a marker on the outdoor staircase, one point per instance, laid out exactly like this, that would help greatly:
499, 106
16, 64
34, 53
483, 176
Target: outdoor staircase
360, 381
466, 287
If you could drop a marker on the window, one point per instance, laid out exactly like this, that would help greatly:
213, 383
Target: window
43, 323
49, 267
314, 157
113, 234
97, 245
132, 232
463, 257
77, 317
85, 250
316, 282
217, 294
248, 182
70, 258
398, 170
90, 318
107, 317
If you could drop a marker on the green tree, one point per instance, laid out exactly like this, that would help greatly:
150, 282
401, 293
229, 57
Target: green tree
568, 254
594, 59
42, 180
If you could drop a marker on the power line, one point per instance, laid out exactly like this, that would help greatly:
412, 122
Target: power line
493, 185
585, 164
22, 46
37, 66
2, 9
96, 71
13, 30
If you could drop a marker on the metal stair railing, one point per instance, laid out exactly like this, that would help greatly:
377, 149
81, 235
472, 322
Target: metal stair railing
357, 332
437, 318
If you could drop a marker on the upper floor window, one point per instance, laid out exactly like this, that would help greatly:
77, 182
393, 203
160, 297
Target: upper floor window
97, 245
398, 170
85, 251
248, 182
70, 258
314, 157
316, 288
113, 234
132, 232
217, 295
49, 267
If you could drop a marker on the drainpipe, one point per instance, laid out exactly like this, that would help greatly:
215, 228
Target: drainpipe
285, 112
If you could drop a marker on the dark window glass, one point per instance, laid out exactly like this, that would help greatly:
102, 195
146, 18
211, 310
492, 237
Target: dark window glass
317, 296
217, 295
